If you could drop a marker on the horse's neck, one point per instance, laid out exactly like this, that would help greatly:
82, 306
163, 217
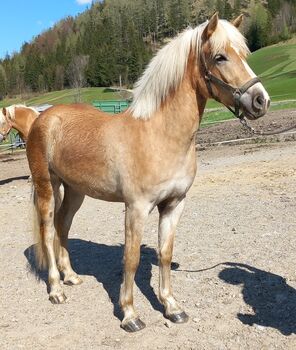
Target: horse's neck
182, 113
23, 121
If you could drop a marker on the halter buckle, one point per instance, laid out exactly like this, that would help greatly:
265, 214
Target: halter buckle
237, 93
208, 76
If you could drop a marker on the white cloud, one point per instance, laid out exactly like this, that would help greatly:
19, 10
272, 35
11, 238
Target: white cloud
83, 2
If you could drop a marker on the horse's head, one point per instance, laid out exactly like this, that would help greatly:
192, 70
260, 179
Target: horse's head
20, 117
5, 123
226, 74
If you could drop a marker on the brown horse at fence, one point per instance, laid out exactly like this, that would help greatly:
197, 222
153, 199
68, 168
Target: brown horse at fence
144, 157
19, 117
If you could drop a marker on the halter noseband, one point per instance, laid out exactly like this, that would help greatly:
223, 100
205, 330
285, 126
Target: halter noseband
237, 92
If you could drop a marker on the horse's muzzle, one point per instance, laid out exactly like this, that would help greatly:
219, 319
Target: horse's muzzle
255, 103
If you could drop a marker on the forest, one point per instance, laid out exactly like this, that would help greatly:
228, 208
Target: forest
112, 41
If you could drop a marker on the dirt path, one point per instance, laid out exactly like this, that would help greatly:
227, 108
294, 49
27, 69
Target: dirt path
234, 263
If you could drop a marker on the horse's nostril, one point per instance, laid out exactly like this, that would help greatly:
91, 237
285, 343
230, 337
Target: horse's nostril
258, 102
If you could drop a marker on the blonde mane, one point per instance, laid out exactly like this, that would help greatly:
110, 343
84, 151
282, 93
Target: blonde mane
166, 70
11, 110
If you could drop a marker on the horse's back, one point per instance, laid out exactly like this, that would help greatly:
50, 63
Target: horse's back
70, 113
62, 122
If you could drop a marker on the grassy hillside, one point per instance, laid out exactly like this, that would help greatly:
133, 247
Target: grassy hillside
65, 96
276, 66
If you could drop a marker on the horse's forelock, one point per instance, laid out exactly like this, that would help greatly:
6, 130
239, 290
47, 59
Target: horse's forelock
227, 34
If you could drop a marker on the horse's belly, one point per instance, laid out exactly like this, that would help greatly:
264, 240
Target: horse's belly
100, 185
101, 191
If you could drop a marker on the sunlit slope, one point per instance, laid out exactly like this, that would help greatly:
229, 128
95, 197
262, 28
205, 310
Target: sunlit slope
276, 66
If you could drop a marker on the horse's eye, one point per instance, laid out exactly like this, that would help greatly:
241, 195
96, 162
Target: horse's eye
220, 58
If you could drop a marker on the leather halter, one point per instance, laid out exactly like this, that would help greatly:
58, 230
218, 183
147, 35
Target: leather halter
236, 92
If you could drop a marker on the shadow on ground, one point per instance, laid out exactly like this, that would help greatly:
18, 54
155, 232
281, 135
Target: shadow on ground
273, 301
10, 179
105, 264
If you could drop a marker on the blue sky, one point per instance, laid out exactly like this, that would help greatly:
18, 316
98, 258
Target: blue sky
21, 20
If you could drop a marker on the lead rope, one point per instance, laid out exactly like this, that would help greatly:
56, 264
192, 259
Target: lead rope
245, 124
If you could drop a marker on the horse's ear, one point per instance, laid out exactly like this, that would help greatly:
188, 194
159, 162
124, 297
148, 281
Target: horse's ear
238, 21
211, 26
7, 113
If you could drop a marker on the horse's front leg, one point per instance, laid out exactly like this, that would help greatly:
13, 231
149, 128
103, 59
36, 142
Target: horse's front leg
169, 215
135, 217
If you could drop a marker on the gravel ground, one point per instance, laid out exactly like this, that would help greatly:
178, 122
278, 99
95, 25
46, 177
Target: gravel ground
233, 270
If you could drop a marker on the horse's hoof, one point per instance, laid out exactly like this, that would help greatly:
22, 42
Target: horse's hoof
73, 281
133, 325
178, 318
57, 298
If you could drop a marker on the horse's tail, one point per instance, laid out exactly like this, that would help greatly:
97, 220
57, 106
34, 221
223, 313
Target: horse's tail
40, 256
39, 246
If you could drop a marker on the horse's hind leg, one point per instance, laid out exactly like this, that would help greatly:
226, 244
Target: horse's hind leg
169, 215
45, 188
135, 217
71, 203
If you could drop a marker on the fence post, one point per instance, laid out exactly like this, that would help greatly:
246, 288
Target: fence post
11, 141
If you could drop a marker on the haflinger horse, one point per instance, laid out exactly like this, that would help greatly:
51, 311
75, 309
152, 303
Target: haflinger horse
144, 157
19, 117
